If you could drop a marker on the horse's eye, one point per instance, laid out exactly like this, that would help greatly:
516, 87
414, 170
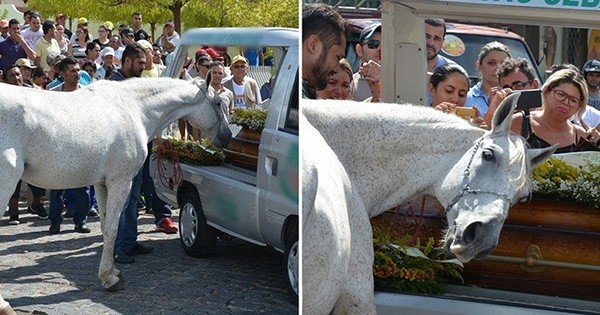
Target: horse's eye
488, 154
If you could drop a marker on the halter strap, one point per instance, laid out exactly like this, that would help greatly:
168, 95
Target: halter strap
467, 178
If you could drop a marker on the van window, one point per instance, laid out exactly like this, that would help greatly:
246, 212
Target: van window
473, 44
291, 118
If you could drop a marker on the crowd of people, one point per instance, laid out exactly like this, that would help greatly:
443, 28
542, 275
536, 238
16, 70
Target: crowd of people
45, 54
570, 98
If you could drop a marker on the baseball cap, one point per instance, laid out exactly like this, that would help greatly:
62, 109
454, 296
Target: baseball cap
109, 25
145, 44
82, 20
170, 23
128, 31
239, 58
107, 51
368, 32
591, 65
3, 23
24, 62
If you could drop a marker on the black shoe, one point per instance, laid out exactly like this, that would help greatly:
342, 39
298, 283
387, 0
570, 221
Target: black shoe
82, 228
149, 211
93, 212
124, 259
38, 209
13, 216
139, 249
54, 228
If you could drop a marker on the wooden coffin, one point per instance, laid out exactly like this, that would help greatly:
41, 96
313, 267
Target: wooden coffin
545, 247
242, 150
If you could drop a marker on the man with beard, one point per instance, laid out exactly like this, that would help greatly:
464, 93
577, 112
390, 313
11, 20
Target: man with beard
126, 244
435, 32
323, 45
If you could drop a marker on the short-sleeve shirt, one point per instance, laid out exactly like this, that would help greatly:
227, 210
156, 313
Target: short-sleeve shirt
476, 97
10, 51
141, 34
43, 48
31, 37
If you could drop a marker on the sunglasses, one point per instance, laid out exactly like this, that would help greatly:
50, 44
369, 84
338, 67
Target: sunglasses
373, 43
206, 66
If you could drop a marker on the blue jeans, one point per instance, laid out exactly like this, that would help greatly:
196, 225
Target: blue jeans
127, 232
160, 207
79, 204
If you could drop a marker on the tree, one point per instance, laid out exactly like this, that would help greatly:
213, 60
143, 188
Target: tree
191, 13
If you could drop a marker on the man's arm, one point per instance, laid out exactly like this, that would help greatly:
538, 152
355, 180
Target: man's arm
28, 51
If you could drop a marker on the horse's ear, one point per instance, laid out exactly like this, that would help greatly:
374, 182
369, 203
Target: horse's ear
503, 115
537, 156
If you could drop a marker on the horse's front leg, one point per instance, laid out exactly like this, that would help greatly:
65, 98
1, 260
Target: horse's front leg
116, 194
5, 308
358, 293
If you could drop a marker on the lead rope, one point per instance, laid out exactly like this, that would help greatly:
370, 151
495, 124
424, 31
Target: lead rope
466, 189
166, 149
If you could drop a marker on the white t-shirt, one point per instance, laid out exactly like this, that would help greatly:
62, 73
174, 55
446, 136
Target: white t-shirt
591, 116
238, 92
32, 37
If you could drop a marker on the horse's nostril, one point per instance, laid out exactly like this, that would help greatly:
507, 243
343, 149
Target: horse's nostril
470, 233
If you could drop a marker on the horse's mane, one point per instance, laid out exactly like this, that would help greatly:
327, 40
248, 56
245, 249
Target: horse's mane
389, 122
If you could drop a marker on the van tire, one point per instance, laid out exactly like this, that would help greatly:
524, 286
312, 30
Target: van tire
291, 258
198, 239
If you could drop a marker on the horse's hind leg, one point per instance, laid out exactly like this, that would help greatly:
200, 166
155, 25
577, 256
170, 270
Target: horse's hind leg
100, 191
11, 170
114, 197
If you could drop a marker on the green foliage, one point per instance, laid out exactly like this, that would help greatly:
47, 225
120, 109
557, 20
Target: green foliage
193, 13
202, 153
396, 268
250, 118
561, 180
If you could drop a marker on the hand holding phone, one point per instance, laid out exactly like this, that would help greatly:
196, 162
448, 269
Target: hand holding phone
529, 99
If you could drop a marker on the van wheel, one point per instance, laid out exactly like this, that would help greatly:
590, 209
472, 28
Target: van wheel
197, 238
290, 263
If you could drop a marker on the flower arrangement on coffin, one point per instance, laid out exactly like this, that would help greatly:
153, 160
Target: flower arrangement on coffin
562, 180
203, 153
253, 119
420, 268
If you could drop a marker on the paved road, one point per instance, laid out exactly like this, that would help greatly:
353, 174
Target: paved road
57, 274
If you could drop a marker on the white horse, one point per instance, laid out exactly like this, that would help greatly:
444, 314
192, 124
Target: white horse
362, 159
96, 135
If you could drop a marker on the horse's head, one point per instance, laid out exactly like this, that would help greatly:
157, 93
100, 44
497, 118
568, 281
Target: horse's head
209, 116
487, 180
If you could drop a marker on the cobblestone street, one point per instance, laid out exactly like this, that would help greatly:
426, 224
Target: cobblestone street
57, 274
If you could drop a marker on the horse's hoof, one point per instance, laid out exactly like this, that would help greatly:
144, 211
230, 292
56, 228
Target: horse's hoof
8, 310
120, 285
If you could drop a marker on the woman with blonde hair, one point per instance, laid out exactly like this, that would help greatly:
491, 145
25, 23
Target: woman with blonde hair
339, 86
564, 95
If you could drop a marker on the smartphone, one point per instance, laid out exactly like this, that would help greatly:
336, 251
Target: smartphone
529, 99
465, 112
